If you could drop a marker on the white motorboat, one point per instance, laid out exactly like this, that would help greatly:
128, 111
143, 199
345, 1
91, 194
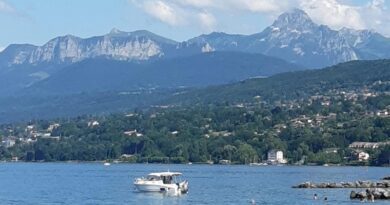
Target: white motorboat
162, 182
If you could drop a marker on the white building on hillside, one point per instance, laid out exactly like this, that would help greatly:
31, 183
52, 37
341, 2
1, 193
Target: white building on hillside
93, 123
276, 157
9, 142
363, 156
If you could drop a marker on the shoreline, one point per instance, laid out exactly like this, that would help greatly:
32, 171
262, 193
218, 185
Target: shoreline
189, 164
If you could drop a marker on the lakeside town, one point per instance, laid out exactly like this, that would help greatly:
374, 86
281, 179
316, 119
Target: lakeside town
321, 113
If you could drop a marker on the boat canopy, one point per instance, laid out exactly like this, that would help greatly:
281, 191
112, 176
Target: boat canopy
164, 174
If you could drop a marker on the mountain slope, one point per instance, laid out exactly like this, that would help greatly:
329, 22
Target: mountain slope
193, 71
368, 44
295, 85
352, 76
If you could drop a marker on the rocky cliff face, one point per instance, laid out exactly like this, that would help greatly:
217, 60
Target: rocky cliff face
293, 37
138, 45
296, 38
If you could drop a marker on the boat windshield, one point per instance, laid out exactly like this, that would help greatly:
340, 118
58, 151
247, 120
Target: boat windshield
177, 179
153, 178
171, 179
167, 179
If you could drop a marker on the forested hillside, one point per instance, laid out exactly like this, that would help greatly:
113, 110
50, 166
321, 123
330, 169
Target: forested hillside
313, 116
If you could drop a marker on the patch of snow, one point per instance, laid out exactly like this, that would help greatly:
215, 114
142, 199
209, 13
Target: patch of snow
357, 41
298, 51
275, 29
295, 31
354, 56
40, 75
283, 46
207, 48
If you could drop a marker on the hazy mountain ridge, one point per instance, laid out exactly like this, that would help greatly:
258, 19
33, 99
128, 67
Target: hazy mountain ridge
293, 37
199, 70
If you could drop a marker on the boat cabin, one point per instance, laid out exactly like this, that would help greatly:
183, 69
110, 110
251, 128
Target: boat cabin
166, 177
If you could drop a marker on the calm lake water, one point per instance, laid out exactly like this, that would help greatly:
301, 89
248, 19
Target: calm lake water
74, 183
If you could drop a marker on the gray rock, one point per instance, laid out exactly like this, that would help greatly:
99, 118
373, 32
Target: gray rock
377, 193
352, 195
386, 194
333, 185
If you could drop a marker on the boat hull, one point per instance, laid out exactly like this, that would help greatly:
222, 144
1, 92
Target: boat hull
171, 188
149, 187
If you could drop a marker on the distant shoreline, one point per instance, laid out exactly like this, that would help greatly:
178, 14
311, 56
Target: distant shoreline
193, 163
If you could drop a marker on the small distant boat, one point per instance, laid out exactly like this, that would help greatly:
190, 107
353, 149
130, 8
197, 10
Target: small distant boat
162, 182
107, 164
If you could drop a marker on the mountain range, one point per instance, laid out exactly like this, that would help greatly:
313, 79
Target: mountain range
67, 67
293, 37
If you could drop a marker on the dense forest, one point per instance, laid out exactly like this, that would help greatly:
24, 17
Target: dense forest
312, 116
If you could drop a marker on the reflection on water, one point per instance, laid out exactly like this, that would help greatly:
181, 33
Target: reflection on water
159, 198
72, 183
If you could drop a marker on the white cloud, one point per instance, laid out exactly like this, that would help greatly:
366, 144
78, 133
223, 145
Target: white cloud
206, 14
230, 5
197, 3
262, 6
180, 12
5, 7
201, 13
377, 16
234, 5
334, 13
207, 21
163, 12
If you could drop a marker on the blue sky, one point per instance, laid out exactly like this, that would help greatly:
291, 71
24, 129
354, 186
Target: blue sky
37, 21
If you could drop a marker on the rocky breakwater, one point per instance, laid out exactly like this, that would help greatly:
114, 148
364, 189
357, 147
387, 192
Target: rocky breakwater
340, 185
372, 189
371, 194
